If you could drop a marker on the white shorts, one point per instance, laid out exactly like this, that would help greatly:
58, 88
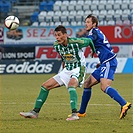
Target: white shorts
65, 75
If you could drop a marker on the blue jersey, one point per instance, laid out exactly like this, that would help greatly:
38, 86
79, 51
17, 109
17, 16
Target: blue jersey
103, 48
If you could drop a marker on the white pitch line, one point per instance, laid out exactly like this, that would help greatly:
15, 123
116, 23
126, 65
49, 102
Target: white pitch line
56, 103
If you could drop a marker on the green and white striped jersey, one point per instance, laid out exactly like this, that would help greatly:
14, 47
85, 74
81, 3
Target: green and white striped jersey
72, 55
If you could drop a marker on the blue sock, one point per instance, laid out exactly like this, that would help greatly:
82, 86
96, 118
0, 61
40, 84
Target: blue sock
85, 99
115, 95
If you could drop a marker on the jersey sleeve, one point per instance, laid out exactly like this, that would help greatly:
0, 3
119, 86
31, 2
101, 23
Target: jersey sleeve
87, 42
93, 35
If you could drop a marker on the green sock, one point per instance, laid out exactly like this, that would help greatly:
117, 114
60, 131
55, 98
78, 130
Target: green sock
73, 99
41, 99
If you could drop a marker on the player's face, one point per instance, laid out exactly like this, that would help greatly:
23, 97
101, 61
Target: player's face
61, 38
89, 25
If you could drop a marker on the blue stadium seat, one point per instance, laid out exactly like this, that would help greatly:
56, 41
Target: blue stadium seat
50, 6
43, 6
5, 6
34, 17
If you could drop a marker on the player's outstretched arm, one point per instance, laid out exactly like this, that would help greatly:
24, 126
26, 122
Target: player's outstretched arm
92, 47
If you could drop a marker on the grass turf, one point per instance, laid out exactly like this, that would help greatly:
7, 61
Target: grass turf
19, 92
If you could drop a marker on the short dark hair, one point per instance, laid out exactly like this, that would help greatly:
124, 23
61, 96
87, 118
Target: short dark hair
94, 19
61, 28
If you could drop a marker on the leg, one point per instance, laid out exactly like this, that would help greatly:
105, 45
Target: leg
46, 86
73, 98
106, 77
73, 94
89, 82
105, 86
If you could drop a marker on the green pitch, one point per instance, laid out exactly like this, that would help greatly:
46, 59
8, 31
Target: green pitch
19, 92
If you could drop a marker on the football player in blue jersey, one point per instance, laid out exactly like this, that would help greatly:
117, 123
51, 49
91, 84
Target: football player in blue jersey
104, 74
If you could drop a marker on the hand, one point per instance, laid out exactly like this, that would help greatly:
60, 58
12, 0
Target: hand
98, 65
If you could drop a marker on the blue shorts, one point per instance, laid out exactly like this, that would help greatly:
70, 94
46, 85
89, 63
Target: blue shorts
105, 70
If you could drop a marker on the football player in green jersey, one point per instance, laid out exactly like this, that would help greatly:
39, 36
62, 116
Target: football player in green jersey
72, 75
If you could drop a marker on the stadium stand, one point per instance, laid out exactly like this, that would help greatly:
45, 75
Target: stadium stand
109, 12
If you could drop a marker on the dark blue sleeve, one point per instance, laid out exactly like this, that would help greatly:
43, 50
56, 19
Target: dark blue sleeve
94, 35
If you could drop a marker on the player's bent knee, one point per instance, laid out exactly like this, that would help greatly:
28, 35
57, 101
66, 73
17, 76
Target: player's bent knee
86, 84
103, 88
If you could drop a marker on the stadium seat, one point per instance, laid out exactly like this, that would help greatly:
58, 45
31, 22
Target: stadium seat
57, 23
64, 5
101, 6
73, 2
96, 2
102, 22
124, 6
79, 23
87, 5
117, 17
50, 5
111, 22
73, 23
109, 6
101, 18
43, 6
116, 5
80, 12
118, 11
72, 15
48, 18
93, 7
109, 17
51, 23
95, 12
87, 2
110, 12
86, 13
57, 5
35, 24
79, 18
126, 11
110, 2
72, 5
5, 6
41, 16
79, 5
56, 16
126, 22
34, 17
124, 17
65, 23
104, 2
43, 24
131, 5
119, 1
118, 22
80, 2
64, 16
103, 12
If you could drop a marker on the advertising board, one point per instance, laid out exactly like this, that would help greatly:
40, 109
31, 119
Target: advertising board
18, 52
41, 35
29, 67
